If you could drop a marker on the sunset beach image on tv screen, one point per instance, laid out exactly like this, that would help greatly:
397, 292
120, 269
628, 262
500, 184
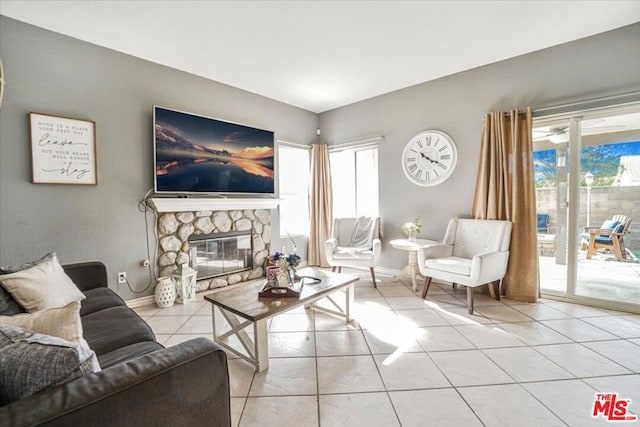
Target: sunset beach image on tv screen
203, 155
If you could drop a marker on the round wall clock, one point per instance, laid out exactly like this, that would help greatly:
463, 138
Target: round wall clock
429, 158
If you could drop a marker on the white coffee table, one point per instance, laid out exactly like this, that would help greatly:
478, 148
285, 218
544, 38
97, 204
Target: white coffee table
411, 270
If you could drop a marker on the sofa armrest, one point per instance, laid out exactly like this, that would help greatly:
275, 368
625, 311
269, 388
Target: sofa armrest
187, 384
88, 275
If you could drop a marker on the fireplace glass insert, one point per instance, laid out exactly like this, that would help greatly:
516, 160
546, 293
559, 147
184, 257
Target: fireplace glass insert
221, 253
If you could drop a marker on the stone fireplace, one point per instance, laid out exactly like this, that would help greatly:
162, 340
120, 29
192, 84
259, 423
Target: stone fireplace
176, 228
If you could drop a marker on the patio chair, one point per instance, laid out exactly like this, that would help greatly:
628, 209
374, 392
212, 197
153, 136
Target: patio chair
355, 242
543, 223
608, 236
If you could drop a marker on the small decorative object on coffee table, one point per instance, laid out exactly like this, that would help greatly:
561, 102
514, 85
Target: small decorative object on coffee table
286, 267
185, 278
165, 293
411, 229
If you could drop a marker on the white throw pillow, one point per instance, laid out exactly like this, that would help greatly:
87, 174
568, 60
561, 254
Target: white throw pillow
42, 286
61, 322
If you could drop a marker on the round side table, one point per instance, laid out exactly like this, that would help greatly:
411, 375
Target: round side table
411, 270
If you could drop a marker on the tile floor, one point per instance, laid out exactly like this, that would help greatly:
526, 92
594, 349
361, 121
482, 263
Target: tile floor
410, 362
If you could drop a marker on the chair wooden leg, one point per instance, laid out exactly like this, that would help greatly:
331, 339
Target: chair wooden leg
427, 283
496, 289
373, 277
616, 247
453, 285
333, 268
470, 299
339, 269
591, 249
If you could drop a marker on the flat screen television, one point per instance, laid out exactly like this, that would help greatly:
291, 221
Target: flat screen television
196, 154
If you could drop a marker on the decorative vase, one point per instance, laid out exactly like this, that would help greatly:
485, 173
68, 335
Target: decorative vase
284, 278
412, 236
165, 293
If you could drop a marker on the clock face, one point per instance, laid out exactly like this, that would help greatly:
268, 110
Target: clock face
429, 158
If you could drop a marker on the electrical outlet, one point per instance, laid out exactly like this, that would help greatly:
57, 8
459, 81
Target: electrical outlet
122, 277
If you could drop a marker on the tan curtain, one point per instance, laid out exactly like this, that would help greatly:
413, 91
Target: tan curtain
505, 190
320, 204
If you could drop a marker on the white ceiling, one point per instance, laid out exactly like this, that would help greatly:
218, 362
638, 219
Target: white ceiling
319, 55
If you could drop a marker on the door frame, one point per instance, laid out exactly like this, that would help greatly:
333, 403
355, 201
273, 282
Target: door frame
574, 146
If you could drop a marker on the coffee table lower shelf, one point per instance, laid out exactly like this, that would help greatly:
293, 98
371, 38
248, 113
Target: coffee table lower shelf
241, 327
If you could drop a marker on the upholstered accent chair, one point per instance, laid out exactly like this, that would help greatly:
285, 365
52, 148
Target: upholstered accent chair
355, 242
610, 235
473, 253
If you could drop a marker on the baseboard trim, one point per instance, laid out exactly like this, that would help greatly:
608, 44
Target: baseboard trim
140, 302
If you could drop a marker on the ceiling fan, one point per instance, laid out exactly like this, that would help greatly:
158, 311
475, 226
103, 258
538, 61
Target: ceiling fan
560, 134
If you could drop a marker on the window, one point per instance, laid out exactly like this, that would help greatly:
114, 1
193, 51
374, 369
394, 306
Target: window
354, 175
293, 173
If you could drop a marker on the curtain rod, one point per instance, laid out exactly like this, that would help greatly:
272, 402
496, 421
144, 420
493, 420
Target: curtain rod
590, 101
293, 144
584, 104
356, 143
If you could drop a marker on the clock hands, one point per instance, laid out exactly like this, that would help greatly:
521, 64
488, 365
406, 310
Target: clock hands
431, 160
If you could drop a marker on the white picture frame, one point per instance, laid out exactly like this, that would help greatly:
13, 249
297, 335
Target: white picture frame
63, 150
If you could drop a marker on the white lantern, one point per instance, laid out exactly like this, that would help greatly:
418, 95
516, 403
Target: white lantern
185, 279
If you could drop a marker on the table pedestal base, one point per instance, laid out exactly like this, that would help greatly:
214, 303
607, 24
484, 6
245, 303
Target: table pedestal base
411, 271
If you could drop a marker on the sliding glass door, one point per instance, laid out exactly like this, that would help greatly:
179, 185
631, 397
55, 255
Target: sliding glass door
588, 186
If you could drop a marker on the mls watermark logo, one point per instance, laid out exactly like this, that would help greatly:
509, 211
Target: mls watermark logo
611, 408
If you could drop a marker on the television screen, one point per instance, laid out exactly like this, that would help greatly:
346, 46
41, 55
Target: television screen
195, 154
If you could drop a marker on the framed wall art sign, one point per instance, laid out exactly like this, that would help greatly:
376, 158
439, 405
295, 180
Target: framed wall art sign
63, 150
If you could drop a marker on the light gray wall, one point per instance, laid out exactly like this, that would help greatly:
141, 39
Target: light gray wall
54, 74
598, 66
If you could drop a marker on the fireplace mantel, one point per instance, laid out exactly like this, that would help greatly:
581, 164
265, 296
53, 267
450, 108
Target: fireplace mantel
170, 204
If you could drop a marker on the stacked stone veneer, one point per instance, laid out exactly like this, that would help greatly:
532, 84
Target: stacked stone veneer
175, 228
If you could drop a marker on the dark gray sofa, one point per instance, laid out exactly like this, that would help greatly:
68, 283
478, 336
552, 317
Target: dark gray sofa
141, 382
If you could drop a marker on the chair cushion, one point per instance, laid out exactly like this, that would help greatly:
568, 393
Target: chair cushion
42, 286
609, 225
450, 264
604, 240
352, 253
31, 362
619, 228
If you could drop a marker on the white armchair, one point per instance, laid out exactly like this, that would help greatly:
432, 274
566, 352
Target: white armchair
355, 242
473, 253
